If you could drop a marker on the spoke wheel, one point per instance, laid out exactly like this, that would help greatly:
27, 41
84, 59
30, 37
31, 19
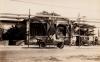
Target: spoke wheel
42, 44
60, 45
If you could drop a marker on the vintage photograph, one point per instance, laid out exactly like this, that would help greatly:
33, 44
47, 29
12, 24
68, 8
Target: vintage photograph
49, 30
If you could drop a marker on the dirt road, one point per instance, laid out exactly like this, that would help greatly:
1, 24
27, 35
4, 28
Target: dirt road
53, 54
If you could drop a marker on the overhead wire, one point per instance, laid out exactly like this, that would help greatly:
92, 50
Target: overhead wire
44, 4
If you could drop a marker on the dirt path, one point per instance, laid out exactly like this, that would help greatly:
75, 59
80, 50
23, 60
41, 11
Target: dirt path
35, 54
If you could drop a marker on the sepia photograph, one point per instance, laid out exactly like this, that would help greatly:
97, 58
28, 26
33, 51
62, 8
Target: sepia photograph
49, 30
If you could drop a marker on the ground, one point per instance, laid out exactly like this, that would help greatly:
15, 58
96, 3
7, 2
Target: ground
52, 54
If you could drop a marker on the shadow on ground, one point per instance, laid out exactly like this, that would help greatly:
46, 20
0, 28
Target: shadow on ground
39, 48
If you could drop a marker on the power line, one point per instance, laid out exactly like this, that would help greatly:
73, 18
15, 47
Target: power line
44, 4
36, 3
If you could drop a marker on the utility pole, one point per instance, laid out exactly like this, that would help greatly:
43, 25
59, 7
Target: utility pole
98, 33
78, 20
28, 28
70, 32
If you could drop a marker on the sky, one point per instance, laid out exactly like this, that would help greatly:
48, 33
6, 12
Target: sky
67, 8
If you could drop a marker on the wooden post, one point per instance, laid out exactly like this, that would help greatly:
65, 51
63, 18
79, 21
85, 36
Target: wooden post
79, 29
28, 29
